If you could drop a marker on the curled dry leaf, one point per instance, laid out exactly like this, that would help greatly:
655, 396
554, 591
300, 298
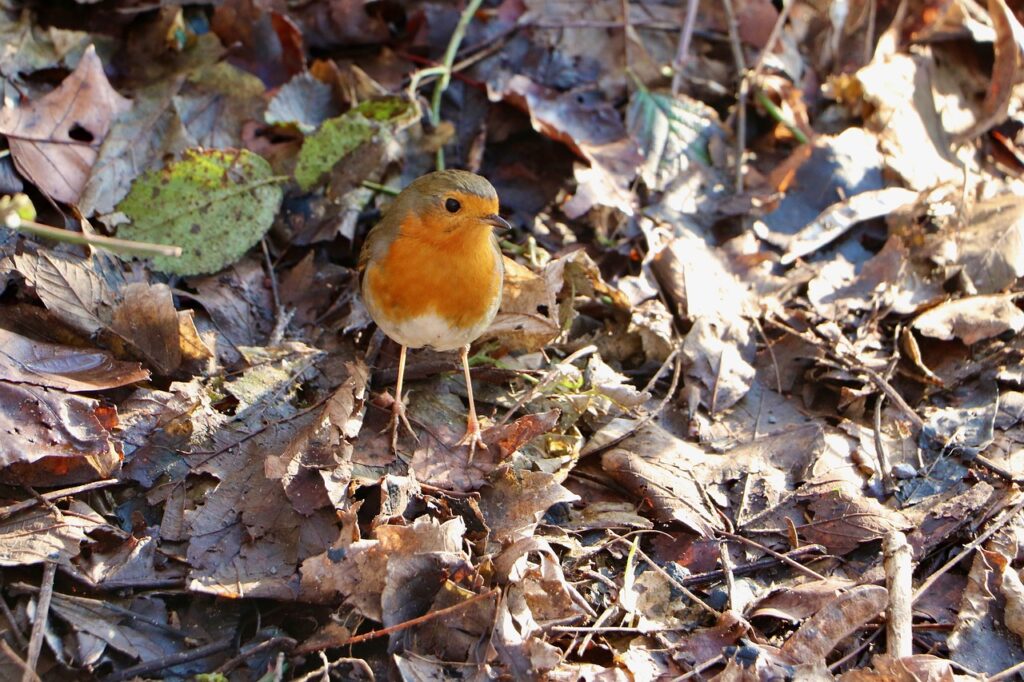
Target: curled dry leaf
54, 140
979, 639
971, 319
818, 636
663, 479
54, 438
24, 360
34, 536
590, 127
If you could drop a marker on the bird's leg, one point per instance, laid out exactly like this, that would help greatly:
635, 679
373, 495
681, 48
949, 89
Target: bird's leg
397, 408
472, 437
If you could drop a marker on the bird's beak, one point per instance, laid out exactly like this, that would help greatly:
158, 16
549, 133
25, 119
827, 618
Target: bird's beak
497, 221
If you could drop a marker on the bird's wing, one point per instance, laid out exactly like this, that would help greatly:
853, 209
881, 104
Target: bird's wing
377, 242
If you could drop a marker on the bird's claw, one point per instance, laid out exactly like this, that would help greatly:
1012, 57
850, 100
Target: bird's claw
473, 437
398, 418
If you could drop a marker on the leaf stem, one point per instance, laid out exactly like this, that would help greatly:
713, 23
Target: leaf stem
383, 189
96, 240
776, 113
446, 69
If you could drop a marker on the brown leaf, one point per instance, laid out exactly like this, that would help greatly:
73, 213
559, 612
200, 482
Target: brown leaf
842, 517
54, 140
590, 127
71, 288
54, 438
146, 318
971, 319
316, 466
979, 639
799, 601
34, 536
657, 470
1007, 71
515, 500
820, 634
23, 360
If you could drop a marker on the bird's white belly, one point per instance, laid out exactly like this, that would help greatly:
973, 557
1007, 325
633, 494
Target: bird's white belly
432, 330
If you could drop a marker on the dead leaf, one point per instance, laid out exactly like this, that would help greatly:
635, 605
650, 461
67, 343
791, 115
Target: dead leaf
971, 319
55, 139
979, 639
55, 438
591, 128
34, 536
662, 479
146, 318
819, 635
23, 360
515, 500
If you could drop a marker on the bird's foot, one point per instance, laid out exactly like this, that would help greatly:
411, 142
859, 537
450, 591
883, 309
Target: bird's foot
398, 419
473, 437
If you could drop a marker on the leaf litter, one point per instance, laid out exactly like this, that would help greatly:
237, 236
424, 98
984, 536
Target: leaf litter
762, 317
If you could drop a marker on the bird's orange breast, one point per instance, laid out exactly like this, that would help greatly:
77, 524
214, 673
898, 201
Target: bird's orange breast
456, 277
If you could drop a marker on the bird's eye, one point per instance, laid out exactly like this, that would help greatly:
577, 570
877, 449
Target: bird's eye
452, 205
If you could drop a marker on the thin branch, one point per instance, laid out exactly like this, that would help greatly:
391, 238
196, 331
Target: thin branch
35, 644
683, 50
781, 557
383, 632
54, 495
970, 547
124, 246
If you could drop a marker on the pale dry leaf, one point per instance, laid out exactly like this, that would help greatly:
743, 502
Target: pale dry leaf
818, 636
971, 319
55, 140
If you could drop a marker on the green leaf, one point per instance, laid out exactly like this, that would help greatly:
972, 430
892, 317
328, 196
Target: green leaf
214, 204
673, 133
339, 137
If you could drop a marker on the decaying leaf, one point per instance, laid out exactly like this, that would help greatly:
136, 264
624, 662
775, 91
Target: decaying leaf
971, 319
55, 139
216, 205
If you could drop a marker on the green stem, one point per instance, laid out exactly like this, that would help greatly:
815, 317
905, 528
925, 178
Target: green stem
383, 189
779, 116
446, 75
97, 240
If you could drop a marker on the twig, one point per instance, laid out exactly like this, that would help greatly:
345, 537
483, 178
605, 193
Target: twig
781, 557
683, 50
550, 376
706, 665
12, 624
323, 672
970, 547
35, 643
249, 652
383, 189
883, 458
446, 73
730, 579
754, 566
668, 576
158, 664
98, 241
899, 570
45, 502
56, 495
741, 96
419, 620
17, 660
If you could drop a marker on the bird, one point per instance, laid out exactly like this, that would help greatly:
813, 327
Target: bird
431, 275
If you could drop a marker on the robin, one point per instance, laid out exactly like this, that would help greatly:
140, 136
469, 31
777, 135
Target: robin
432, 274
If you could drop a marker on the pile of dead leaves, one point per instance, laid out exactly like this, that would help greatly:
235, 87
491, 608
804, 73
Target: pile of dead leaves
754, 399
